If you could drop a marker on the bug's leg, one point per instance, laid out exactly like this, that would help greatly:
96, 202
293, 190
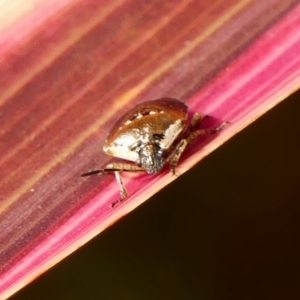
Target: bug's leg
123, 167
116, 168
175, 155
123, 191
198, 132
112, 167
196, 120
180, 147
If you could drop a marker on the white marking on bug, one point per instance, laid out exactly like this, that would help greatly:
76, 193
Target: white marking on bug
122, 147
171, 134
152, 112
122, 152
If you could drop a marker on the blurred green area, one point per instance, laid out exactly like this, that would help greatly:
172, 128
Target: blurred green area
227, 229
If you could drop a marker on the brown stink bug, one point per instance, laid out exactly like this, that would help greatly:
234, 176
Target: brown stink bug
150, 135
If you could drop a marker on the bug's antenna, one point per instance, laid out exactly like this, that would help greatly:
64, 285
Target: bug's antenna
91, 173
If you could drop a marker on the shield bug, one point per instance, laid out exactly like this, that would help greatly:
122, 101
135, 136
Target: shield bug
148, 137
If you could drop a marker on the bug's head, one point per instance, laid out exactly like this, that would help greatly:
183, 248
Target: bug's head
151, 158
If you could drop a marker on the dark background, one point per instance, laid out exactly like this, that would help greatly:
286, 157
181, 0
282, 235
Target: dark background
227, 229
